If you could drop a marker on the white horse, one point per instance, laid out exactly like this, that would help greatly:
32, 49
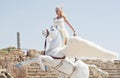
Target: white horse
58, 61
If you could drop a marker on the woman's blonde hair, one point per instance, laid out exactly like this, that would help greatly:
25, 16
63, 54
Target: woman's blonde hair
62, 12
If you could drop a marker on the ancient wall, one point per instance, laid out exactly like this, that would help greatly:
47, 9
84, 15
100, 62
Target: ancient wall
113, 68
8, 61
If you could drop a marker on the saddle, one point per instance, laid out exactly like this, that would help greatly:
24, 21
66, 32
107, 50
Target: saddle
58, 57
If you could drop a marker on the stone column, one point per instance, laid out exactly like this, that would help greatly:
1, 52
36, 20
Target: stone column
18, 40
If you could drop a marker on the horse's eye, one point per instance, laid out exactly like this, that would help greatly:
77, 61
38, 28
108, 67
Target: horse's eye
52, 29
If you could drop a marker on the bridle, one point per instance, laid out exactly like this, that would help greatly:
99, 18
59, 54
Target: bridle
45, 45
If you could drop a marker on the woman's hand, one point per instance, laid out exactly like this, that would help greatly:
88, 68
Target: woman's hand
74, 34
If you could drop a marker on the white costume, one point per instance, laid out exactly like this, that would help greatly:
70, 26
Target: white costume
61, 24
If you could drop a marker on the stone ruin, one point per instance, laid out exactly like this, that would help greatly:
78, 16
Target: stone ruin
5, 74
8, 61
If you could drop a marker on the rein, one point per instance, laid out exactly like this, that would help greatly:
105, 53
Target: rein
45, 45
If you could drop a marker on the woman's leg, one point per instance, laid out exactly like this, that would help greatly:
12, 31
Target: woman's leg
65, 41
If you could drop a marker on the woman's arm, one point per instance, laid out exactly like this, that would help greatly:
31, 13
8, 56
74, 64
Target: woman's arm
70, 26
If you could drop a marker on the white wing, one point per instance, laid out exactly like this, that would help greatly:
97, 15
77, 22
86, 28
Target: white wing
78, 47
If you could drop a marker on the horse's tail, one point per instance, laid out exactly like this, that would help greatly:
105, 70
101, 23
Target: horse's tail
98, 72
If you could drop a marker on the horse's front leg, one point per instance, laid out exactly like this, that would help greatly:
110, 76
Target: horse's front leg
33, 60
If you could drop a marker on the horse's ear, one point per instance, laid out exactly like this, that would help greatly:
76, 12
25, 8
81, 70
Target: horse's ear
56, 27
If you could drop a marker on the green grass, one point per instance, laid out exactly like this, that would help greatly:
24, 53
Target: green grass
6, 50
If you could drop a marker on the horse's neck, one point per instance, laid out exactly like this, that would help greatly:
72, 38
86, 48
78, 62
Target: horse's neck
55, 46
56, 43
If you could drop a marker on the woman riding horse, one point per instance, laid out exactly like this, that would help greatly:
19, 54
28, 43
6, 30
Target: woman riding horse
60, 20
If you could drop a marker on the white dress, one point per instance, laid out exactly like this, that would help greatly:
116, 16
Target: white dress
61, 24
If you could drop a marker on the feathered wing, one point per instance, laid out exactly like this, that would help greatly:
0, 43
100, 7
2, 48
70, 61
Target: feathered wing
78, 47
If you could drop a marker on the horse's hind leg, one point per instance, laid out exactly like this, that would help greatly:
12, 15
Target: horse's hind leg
98, 72
62, 75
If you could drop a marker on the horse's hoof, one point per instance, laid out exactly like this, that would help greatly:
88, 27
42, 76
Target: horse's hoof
19, 65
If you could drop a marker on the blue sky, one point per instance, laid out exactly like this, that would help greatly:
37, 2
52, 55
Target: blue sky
95, 20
